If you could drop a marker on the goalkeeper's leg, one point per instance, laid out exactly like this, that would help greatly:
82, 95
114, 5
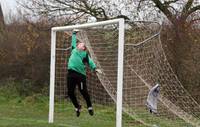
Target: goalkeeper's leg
71, 84
83, 90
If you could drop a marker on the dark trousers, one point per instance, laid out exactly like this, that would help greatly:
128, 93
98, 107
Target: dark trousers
74, 78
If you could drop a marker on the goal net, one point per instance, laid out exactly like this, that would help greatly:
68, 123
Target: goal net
144, 65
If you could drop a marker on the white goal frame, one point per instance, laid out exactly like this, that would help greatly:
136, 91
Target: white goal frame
121, 26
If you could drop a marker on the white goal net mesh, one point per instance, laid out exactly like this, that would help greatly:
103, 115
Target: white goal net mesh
145, 64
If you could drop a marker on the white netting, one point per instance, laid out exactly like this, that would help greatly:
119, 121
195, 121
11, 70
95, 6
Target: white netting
149, 65
145, 64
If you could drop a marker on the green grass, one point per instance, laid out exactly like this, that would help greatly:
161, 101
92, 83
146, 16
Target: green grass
32, 111
104, 117
29, 113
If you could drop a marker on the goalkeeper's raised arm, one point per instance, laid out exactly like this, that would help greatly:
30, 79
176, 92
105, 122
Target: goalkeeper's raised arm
74, 40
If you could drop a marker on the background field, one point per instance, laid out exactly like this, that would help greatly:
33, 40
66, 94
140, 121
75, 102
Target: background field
32, 111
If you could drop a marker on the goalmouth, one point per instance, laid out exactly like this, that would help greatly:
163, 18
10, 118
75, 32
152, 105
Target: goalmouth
54, 30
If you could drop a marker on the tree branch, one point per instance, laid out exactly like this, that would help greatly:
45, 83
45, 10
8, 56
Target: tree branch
164, 9
139, 4
185, 11
193, 9
167, 3
187, 5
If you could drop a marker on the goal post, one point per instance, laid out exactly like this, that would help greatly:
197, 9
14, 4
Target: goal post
52, 76
54, 30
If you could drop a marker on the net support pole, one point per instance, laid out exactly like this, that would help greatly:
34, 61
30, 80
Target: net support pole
120, 73
52, 76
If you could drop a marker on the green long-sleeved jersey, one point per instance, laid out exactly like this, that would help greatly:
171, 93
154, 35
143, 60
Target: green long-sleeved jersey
78, 58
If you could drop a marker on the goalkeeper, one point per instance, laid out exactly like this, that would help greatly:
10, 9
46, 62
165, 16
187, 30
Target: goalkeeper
77, 73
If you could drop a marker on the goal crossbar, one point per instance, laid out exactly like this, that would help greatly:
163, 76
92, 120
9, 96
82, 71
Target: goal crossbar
80, 26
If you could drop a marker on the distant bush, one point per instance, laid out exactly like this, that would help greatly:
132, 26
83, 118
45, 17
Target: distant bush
25, 55
22, 91
8, 89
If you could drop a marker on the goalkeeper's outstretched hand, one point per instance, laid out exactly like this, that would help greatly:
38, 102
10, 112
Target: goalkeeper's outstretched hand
76, 30
98, 71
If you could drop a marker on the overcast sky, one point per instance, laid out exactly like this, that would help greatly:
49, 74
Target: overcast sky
8, 6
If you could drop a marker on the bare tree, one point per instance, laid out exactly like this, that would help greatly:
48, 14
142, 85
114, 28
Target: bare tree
73, 10
175, 11
182, 12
